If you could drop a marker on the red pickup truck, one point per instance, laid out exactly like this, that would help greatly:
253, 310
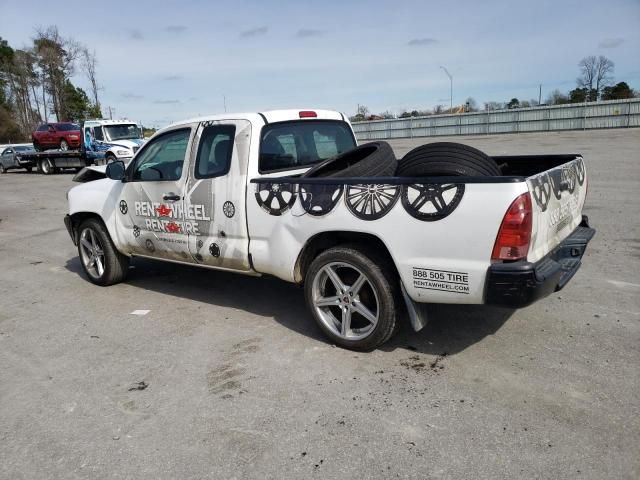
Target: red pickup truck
63, 135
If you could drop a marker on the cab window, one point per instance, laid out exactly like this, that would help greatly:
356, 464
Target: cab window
162, 159
300, 144
214, 151
97, 133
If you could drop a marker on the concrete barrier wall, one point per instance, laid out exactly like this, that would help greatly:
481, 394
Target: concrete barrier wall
575, 116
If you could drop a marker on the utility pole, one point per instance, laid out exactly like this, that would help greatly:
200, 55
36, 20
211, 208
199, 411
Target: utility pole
110, 114
540, 95
224, 101
451, 87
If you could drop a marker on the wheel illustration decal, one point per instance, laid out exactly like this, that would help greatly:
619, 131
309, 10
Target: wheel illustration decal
541, 188
228, 209
123, 207
150, 246
579, 167
275, 198
199, 243
214, 250
431, 202
371, 202
319, 200
136, 231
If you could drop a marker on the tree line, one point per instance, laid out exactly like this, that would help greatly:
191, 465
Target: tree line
36, 86
595, 82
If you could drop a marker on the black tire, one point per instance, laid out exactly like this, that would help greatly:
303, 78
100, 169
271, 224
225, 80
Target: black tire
116, 265
109, 157
382, 281
28, 169
2, 169
46, 166
373, 159
446, 159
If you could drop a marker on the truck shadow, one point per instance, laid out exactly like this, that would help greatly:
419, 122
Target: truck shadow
451, 328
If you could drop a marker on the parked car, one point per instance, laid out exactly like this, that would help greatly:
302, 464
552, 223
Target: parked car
10, 157
63, 135
288, 193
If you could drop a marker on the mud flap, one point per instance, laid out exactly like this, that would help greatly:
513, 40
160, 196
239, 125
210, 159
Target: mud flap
417, 311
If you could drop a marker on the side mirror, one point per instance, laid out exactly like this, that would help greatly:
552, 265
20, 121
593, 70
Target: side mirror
115, 170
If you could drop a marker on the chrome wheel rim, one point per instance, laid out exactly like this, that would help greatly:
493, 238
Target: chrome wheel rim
345, 301
64, 145
46, 166
92, 253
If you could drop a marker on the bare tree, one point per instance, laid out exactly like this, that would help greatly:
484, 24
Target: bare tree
595, 73
89, 64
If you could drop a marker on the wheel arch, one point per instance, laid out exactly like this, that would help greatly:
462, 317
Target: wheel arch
326, 240
79, 217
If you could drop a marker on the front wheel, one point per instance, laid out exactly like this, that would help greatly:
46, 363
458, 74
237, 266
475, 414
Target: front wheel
109, 157
352, 294
100, 259
2, 169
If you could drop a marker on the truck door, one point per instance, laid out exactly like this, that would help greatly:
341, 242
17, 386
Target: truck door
151, 219
217, 185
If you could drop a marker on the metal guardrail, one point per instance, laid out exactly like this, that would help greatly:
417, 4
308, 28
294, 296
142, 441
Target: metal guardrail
574, 116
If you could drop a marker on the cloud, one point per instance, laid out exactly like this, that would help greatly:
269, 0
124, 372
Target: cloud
175, 29
309, 32
171, 78
254, 32
610, 42
132, 96
422, 41
135, 34
166, 102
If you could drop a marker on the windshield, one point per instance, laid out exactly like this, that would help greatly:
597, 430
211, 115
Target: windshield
299, 144
122, 132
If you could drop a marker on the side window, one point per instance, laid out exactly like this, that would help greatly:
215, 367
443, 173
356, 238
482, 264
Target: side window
97, 133
162, 159
43, 128
214, 151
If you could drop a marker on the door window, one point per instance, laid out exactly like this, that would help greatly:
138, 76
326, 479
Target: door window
214, 151
97, 133
162, 159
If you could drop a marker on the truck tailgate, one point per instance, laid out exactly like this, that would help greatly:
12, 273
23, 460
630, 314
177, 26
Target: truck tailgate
558, 196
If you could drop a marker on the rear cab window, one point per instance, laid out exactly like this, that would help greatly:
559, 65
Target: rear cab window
301, 144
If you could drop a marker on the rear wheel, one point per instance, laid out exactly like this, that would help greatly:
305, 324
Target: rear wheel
100, 259
64, 146
46, 166
352, 294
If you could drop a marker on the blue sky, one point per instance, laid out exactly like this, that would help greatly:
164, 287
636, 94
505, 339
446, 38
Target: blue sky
164, 61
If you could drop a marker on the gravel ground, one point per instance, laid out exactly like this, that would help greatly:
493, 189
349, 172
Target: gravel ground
240, 383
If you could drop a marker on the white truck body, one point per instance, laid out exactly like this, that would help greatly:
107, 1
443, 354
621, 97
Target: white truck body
231, 222
119, 139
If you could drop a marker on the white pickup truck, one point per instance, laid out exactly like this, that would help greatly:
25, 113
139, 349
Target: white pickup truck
288, 193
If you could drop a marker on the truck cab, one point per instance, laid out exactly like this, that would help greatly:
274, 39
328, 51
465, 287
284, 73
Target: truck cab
118, 139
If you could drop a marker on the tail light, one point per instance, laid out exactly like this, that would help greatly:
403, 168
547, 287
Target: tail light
514, 235
307, 114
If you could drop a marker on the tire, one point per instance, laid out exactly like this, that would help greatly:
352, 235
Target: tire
446, 159
64, 146
373, 159
46, 167
109, 157
2, 169
107, 269
379, 290
28, 169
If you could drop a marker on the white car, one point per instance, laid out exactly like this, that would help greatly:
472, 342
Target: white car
119, 139
288, 193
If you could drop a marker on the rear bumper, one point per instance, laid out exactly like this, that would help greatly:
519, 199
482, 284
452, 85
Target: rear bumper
519, 284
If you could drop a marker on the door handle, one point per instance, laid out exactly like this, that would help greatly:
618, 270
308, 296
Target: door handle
170, 197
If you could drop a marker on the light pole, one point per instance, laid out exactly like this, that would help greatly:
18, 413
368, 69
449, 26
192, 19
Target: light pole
451, 87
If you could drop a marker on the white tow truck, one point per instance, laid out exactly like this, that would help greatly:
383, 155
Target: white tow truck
118, 139
289, 193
